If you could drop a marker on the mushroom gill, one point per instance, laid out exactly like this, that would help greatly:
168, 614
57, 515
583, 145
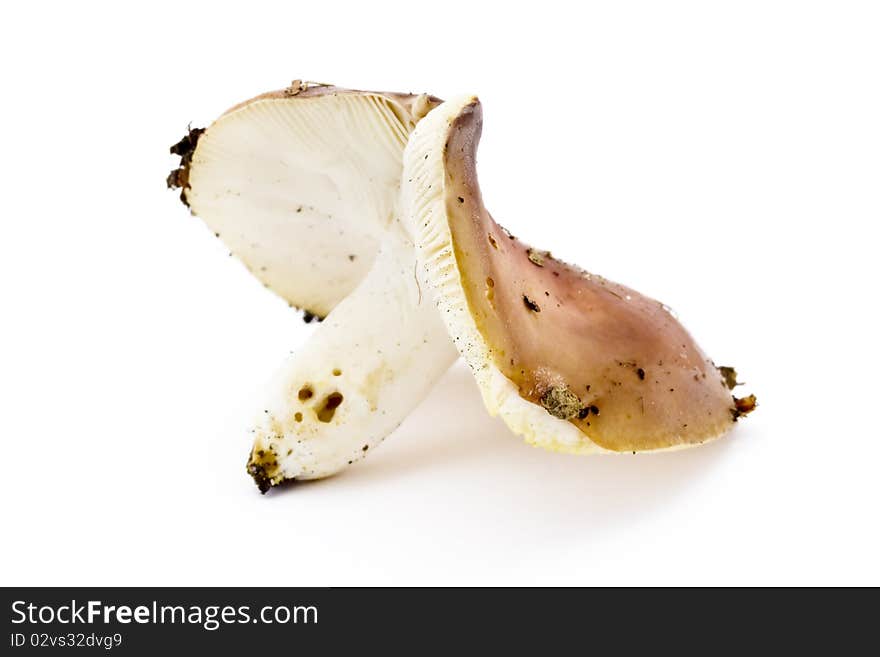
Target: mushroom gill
300, 184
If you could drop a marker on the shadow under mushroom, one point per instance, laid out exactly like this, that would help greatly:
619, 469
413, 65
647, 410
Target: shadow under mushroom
451, 436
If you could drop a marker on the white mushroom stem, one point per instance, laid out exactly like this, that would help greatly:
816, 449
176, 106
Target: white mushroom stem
371, 361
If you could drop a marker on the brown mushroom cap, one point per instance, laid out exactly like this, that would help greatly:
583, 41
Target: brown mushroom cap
611, 362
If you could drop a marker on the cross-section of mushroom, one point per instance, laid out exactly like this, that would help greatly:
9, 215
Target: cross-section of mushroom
571, 361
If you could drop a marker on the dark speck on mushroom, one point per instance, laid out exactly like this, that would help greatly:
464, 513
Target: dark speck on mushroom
531, 305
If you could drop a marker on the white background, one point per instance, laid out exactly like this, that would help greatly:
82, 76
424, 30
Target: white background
722, 157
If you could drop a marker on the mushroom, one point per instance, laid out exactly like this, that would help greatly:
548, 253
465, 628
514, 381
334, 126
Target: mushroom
297, 182
301, 183
571, 361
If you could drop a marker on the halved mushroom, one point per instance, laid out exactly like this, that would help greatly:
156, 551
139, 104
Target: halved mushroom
570, 360
301, 183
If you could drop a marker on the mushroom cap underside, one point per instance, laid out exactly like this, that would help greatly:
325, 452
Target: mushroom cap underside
301, 183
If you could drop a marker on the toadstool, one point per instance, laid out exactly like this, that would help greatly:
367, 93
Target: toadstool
303, 185
571, 361
296, 182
